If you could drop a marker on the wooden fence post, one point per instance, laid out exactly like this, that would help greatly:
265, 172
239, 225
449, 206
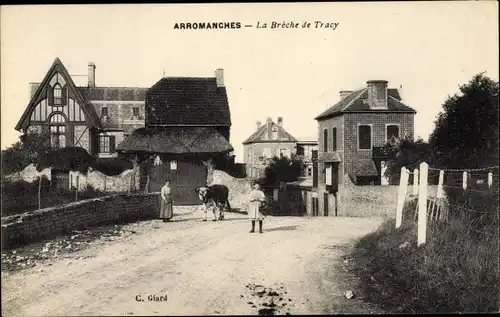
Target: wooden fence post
439, 195
275, 194
129, 183
490, 179
403, 187
105, 183
77, 186
40, 192
464, 180
415, 182
422, 204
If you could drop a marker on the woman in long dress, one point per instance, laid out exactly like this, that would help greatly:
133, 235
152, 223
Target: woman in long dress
166, 203
256, 198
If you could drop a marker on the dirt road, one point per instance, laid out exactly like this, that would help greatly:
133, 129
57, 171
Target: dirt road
201, 268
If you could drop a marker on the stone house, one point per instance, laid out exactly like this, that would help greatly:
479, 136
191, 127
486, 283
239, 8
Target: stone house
192, 114
268, 141
306, 149
187, 128
350, 135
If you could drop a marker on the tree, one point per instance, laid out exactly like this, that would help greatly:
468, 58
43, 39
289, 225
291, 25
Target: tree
404, 152
466, 132
466, 136
283, 169
30, 149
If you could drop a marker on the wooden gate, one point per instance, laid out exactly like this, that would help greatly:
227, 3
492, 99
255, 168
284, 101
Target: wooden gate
185, 177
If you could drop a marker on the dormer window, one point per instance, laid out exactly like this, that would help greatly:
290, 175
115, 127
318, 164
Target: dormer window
57, 95
104, 113
275, 133
135, 113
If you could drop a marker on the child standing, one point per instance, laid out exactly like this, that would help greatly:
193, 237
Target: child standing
256, 198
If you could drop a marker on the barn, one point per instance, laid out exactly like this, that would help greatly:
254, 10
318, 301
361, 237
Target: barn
187, 126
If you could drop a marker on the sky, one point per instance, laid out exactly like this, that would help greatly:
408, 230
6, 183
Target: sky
427, 48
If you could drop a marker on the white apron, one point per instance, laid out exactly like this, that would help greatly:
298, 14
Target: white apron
255, 199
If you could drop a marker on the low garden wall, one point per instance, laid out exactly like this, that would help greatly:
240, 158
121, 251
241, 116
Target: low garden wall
50, 222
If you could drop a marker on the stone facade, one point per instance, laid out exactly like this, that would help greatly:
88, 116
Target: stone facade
354, 158
379, 108
50, 222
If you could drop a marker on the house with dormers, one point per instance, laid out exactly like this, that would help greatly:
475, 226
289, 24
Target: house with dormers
351, 134
91, 117
268, 141
182, 122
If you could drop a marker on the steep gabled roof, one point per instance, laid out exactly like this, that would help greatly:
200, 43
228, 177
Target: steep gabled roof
356, 102
261, 135
187, 101
57, 66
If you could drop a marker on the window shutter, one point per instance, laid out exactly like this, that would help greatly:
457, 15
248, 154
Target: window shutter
50, 96
112, 143
64, 96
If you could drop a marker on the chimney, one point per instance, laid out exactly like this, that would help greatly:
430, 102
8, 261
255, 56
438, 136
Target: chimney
91, 75
259, 125
280, 121
269, 124
219, 77
377, 94
345, 93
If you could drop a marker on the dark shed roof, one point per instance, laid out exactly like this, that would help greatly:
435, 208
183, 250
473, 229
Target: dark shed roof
187, 101
176, 140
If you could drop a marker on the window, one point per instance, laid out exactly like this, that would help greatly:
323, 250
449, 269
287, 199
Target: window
135, 113
104, 112
334, 139
300, 150
266, 153
284, 153
57, 95
391, 131
309, 171
275, 133
106, 143
364, 137
58, 131
325, 140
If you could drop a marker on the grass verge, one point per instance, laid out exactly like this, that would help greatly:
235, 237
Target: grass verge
457, 270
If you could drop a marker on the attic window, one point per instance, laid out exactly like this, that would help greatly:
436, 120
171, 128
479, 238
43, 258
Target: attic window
57, 95
275, 133
104, 112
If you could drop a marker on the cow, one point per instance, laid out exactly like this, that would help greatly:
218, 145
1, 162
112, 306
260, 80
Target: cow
214, 196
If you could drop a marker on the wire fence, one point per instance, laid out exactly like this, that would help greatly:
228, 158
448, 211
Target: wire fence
469, 196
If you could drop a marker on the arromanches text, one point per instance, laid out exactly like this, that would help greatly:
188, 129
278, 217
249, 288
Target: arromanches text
209, 25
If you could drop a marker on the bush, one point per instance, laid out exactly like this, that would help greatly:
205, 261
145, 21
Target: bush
457, 270
20, 197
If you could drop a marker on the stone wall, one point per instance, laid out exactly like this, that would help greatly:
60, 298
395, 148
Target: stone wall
239, 188
129, 179
50, 222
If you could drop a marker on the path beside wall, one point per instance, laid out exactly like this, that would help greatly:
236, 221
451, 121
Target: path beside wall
50, 222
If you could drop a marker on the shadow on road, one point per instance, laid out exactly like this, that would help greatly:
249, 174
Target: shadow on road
284, 228
237, 211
